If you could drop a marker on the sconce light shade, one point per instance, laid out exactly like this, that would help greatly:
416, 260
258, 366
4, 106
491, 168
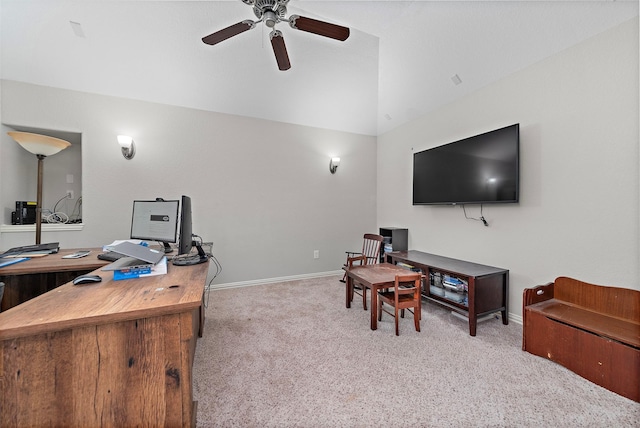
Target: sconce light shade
333, 165
127, 146
41, 145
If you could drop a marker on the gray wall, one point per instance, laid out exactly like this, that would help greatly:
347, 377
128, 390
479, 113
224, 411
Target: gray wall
578, 214
261, 190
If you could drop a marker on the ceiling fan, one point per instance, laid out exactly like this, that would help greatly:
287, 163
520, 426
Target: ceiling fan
271, 12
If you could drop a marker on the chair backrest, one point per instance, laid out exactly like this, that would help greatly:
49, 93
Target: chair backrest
408, 284
371, 248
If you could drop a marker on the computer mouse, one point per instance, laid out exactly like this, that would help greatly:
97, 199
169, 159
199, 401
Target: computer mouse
86, 279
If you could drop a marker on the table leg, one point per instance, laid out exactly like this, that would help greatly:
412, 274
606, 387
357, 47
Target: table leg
374, 308
348, 285
471, 302
473, 323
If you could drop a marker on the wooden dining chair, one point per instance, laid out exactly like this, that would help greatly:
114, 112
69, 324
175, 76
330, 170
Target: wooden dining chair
370, 255
405, 294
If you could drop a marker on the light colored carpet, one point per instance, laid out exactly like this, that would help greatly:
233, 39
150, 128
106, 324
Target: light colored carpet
292, 355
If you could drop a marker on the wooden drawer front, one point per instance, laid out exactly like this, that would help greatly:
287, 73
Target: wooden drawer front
132, 373
605, 362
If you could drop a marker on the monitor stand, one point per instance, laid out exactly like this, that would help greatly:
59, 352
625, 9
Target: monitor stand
201, 257
167, 247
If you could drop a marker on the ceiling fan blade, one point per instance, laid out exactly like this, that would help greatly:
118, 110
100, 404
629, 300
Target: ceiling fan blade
320, 28
228, 32
280, 50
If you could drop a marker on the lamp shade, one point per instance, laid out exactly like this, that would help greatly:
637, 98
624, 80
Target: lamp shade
39, 144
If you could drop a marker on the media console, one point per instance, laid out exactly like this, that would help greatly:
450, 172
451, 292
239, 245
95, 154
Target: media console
468, 288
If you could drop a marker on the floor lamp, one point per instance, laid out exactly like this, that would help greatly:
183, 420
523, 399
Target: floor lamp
41, 146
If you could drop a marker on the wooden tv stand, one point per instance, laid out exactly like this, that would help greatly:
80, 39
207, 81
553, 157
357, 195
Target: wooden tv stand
486, 289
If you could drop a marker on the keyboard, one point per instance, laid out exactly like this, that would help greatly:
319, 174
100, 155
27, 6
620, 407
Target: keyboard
110, 256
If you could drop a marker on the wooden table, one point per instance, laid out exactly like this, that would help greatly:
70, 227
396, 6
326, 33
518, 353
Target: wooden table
110, 354
28, 279
374, 277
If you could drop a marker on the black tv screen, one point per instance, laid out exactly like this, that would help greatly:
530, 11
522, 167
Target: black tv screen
481, 169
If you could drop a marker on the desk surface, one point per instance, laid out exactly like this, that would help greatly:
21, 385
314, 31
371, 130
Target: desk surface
106, 302
55, 263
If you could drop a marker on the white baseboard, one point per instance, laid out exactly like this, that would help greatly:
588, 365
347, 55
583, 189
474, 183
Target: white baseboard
274, 280
515, 318
512, 317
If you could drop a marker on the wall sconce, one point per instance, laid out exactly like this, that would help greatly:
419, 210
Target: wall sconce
41, 146
333, 165
127, 146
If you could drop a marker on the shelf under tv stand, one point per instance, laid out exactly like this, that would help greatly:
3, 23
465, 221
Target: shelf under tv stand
488, 286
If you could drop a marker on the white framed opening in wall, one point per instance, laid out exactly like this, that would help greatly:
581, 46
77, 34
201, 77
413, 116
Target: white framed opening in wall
61, 184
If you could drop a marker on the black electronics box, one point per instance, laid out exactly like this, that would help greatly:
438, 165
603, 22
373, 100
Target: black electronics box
25, 213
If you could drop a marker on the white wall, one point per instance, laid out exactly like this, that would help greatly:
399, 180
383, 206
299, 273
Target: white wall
578, 214
261, 190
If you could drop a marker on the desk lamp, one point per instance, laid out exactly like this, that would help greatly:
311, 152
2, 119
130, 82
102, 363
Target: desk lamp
41, 146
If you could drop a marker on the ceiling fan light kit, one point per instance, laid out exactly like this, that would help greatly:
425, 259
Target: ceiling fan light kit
271, 12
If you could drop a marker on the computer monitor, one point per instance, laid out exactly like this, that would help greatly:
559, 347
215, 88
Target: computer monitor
185, 243
155, 221
186, 227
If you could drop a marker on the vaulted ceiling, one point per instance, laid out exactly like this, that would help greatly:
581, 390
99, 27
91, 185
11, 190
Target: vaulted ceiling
399, 62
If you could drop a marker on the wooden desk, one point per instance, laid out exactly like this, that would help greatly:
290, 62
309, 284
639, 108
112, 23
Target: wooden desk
114, 353
374, 277
31, 278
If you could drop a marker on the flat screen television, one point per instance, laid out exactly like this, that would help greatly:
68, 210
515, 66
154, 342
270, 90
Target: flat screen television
482, 169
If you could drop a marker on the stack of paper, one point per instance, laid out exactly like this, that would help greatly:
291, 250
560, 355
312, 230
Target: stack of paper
159, 268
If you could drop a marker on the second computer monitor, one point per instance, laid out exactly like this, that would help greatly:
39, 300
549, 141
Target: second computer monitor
155, 220
186, 228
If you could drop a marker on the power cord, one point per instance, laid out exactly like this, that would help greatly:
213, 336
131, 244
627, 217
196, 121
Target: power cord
218, 272
55, 216
212, 258
216, 263
481, 218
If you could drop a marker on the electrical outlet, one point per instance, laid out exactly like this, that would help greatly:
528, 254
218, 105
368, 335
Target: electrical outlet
316, 254
69, 194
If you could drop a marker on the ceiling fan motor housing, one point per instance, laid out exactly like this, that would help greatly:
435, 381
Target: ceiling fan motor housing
273, 10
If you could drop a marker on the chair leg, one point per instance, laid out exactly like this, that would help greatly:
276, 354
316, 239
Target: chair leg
396, 317
416, 318
379, 309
